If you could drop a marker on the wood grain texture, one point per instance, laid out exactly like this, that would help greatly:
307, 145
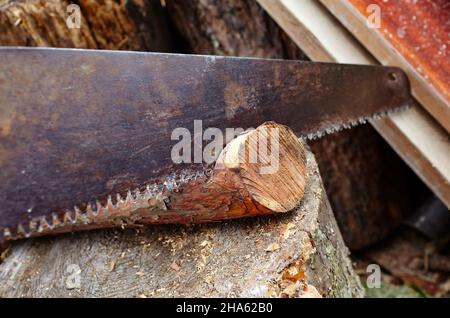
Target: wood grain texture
114, 25
414, 36
298, 254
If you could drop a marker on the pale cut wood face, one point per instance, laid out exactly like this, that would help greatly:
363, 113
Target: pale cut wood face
278, 179
271, 164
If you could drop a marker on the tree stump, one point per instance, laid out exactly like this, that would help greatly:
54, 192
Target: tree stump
295, 254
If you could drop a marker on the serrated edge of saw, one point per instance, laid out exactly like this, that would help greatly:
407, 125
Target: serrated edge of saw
353, 123
98, 213
136, 199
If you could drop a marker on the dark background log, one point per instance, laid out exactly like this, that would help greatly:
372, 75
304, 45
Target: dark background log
114, 25
370, 188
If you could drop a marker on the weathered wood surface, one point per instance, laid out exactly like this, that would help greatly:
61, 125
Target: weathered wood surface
113, 25
295, 254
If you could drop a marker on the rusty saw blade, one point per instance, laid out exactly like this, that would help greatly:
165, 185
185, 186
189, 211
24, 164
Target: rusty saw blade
79, 125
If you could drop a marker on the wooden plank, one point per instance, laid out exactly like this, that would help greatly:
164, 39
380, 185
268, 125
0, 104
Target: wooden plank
416, 137
412, 35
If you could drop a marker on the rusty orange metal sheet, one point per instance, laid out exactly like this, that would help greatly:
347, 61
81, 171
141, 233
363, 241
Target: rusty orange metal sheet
420, 31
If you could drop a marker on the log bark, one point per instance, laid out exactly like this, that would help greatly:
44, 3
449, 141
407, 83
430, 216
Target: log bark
113, 25
363, 177
370, 188
295, 254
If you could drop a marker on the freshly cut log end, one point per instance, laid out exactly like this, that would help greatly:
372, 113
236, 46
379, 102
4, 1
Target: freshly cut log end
262, 171
271, 163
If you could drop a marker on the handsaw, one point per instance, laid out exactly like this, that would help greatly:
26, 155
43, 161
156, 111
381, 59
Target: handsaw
84, 131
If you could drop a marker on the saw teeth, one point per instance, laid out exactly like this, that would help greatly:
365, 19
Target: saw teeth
90, 210
109, 204
33, 226
148, 190
56, 222
82, 217
352, 123
44, 225
89, 215
28, 229
135, 195
6, 234
128, 199
21, 233
96, 210
70, 216
119, 199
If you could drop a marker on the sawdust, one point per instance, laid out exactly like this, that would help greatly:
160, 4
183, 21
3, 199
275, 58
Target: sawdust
175, 266
273, 247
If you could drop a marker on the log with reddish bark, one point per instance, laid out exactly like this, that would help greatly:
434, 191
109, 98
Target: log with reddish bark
245, 181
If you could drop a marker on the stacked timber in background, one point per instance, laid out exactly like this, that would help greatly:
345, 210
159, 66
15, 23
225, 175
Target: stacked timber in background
369, 187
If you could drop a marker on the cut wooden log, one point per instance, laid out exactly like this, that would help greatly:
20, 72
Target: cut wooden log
295, 254
262, 171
